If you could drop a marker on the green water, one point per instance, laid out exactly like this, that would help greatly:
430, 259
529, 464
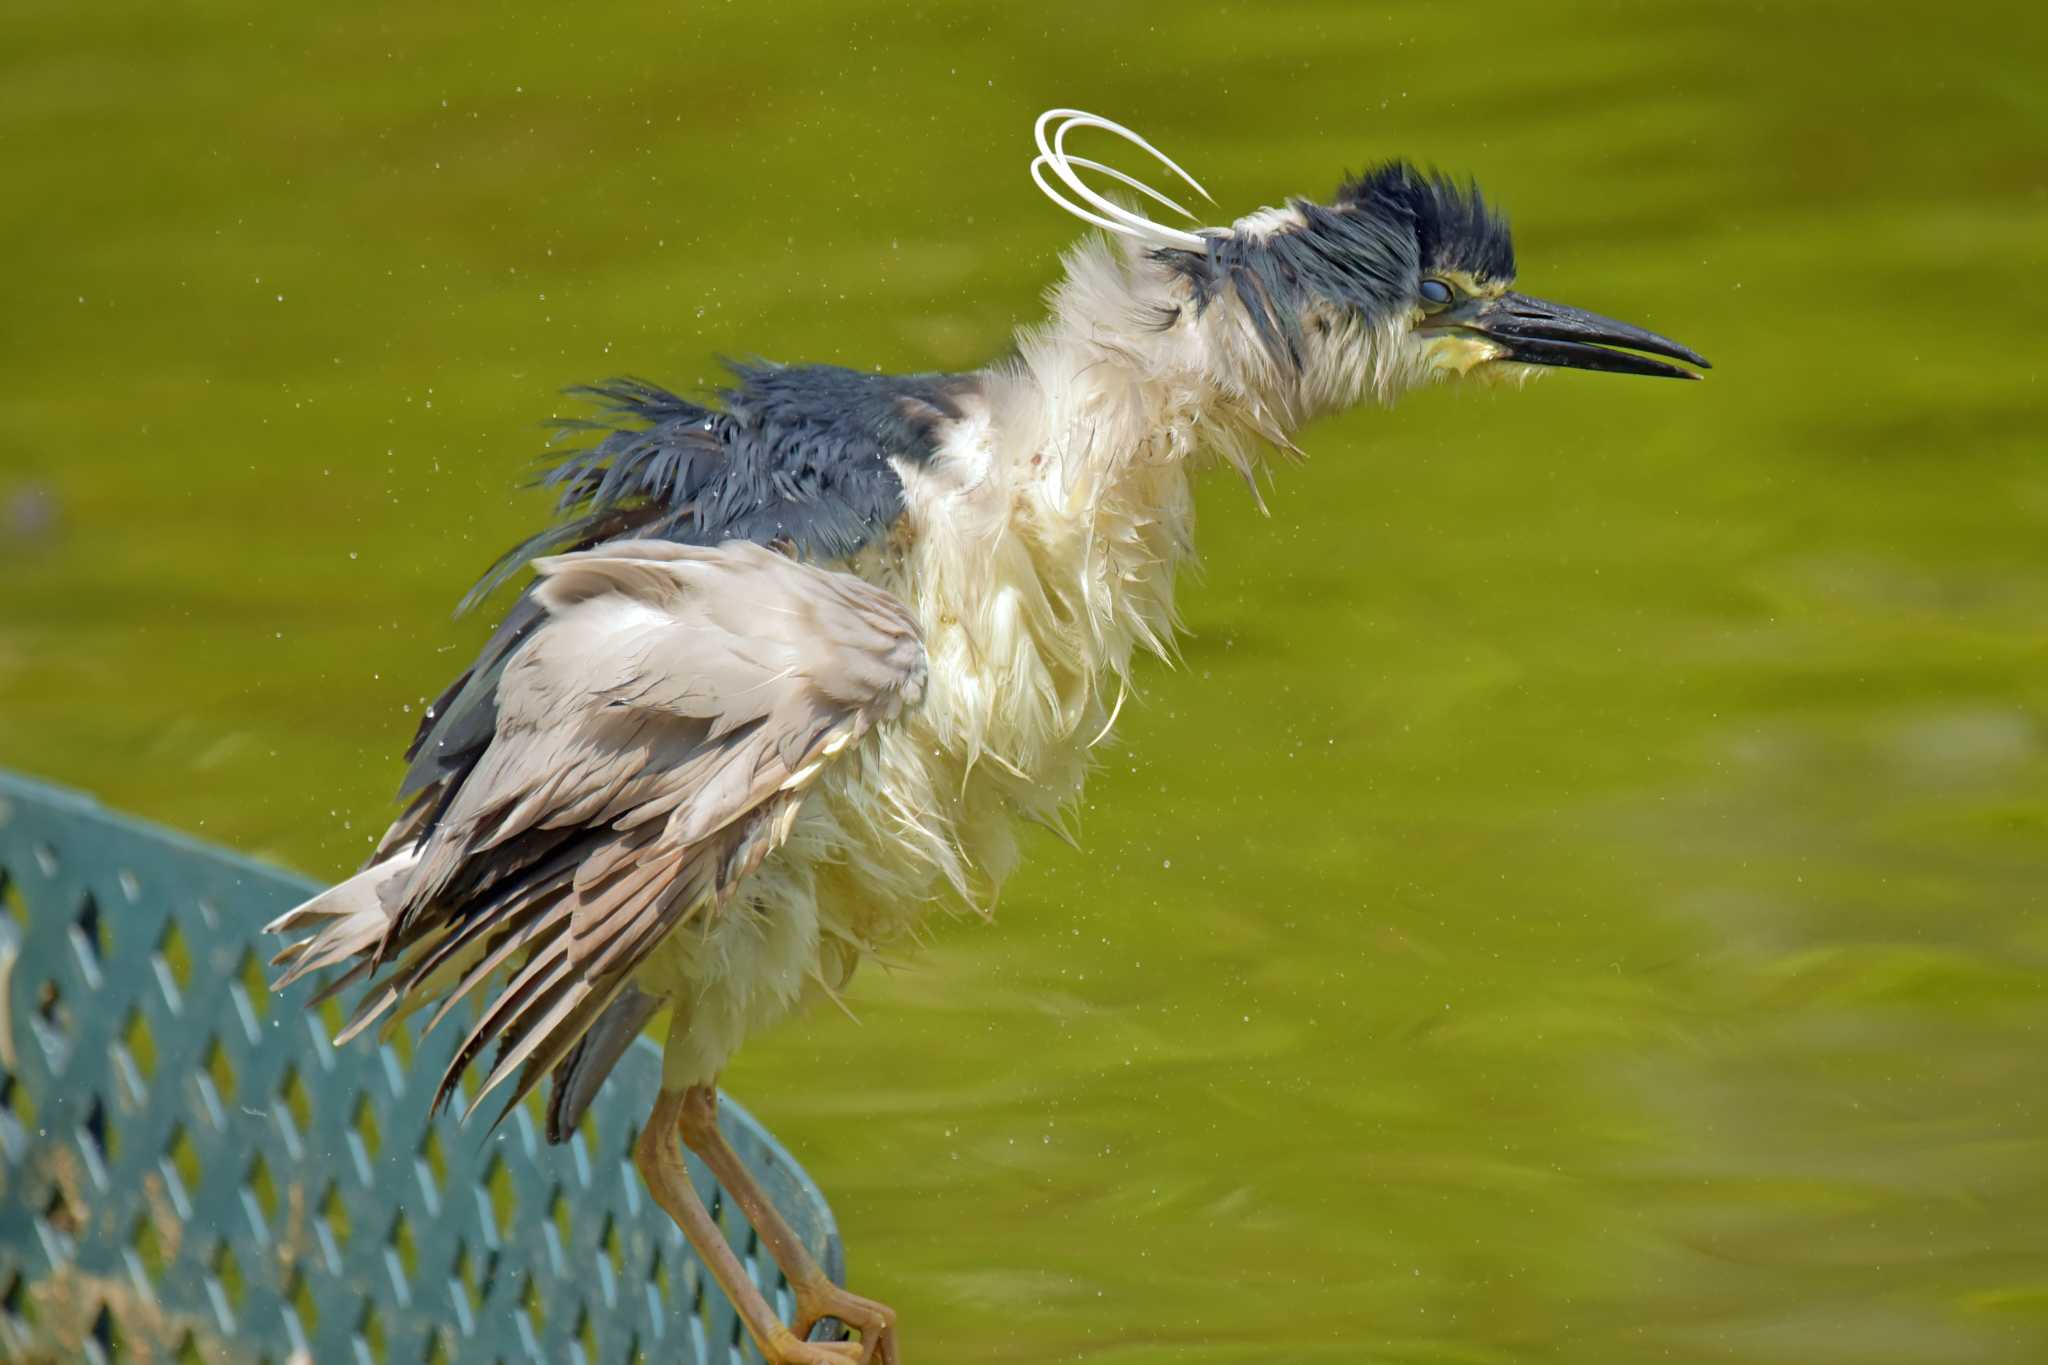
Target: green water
1581, 900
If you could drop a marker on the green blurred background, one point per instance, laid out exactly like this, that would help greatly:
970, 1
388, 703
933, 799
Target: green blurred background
1581, 900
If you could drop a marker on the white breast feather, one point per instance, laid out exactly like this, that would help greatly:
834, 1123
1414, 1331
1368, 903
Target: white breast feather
1039, 558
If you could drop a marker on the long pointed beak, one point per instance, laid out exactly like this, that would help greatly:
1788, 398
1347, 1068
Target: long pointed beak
1538, 332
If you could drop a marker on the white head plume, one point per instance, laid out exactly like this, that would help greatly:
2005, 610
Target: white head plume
1093, 206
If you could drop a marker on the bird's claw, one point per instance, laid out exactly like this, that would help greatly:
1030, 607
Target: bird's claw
876, 1322
785, 1349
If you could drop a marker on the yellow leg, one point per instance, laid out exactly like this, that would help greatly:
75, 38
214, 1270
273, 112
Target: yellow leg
668, 1179
816, 1296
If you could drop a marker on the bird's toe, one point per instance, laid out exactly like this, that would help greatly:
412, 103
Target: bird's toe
876, 1322
785, 1349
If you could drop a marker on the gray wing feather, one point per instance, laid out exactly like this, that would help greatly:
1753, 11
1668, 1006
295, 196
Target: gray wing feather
655, 734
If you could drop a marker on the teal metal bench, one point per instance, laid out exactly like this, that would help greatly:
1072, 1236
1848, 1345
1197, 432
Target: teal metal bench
190, 1172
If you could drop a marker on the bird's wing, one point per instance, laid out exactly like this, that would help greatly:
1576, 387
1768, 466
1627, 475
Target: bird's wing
801, 457
655, 735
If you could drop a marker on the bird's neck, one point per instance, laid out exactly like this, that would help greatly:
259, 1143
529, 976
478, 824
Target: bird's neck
1128, 373
1095, 429
1043, 540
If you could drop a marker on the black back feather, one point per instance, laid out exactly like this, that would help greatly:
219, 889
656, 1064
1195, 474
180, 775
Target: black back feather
796, 456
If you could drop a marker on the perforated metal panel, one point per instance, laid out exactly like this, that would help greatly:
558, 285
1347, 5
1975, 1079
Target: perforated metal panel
189, 1171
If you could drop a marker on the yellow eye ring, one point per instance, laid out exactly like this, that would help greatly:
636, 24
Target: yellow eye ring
1435, 293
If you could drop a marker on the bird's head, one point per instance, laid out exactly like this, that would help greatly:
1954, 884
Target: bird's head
1403, 277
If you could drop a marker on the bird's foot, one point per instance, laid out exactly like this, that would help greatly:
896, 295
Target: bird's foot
784, 1348
876, 1322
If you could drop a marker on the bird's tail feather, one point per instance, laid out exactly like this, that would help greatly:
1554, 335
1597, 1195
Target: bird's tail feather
577, 1076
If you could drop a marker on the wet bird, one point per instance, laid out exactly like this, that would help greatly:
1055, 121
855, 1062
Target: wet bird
797, 661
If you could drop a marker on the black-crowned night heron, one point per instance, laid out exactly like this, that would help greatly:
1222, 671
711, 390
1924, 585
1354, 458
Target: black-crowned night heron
795, 664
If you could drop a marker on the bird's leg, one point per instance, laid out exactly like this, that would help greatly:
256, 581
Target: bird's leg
816, 1296
668, 1179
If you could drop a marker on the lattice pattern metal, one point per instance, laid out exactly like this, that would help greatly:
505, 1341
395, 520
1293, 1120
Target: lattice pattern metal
193, 1173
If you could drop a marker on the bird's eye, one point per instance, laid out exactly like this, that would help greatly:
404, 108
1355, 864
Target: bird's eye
1435, 293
